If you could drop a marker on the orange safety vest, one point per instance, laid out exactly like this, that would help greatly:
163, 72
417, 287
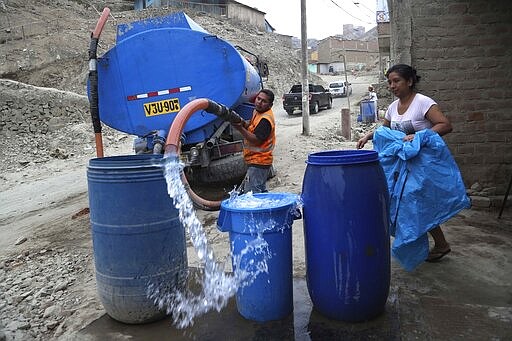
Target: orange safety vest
260, 154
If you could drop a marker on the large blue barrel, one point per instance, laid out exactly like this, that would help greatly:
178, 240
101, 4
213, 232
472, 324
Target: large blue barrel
346, 234
270, 296
368, 111
136, 233
159, 65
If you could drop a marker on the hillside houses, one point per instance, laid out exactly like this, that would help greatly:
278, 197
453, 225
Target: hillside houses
334, 52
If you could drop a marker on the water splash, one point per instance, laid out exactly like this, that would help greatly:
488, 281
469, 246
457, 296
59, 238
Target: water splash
217, 287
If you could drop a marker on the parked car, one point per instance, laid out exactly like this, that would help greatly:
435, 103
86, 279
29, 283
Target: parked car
319, 98
339, 89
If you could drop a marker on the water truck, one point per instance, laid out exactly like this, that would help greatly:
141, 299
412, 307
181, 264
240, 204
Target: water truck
158, 66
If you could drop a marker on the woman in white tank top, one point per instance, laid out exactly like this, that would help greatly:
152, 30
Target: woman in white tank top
410, 113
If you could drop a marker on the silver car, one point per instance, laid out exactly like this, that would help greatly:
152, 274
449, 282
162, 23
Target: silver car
339, 89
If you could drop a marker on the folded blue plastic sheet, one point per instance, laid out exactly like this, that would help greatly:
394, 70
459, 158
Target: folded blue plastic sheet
425, 187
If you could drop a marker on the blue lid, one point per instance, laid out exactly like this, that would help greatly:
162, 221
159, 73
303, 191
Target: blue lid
243, 213
342, 157
126, 161
259, 202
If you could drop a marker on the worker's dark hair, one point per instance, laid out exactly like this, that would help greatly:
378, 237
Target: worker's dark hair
405, 71
269, 93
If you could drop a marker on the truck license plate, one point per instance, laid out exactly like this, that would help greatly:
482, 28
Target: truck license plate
162, 107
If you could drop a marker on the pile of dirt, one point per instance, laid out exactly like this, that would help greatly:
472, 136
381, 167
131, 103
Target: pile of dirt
43, 105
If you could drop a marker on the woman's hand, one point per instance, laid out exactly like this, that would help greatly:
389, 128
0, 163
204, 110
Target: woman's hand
362, 141
408, 138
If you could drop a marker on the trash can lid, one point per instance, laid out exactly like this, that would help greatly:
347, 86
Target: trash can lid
251, 213
259, 202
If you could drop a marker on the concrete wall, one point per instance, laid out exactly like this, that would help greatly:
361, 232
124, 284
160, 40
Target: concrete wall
356, 51
463, 51
246, 14
285, 40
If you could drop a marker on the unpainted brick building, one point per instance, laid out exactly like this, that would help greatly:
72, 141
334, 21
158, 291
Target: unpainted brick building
463, 51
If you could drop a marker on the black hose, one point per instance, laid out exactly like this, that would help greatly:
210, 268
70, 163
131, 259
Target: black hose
93, 86
223, 112
93, 80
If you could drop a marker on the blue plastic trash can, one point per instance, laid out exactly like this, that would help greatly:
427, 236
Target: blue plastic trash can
368, 112
270, 296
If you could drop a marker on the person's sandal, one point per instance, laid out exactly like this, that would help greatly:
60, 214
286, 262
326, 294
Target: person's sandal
436, 255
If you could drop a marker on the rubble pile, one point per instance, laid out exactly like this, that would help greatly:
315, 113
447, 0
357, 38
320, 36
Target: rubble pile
37, 292
36, 121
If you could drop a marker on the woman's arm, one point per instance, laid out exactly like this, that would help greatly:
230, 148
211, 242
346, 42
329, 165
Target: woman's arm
440, 123
369, 136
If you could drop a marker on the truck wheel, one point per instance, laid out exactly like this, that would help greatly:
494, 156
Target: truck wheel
329, 105
315, 109
228, 170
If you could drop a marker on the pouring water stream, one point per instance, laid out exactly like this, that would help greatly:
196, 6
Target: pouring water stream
217, 286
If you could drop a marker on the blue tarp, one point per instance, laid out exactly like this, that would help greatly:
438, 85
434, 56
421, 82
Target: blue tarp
425, 188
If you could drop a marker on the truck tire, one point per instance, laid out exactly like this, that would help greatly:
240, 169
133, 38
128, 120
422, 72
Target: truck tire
329, 105
228, 170
315, 108
289, 112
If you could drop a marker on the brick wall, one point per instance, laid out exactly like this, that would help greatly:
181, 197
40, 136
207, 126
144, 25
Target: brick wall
463, 51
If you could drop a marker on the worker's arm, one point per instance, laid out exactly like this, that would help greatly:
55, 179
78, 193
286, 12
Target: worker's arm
260, 134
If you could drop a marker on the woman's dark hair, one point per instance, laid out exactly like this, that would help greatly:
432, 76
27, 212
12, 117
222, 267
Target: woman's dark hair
405, 71
269, 94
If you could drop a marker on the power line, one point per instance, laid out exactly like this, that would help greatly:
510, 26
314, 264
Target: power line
357, 3
350, 14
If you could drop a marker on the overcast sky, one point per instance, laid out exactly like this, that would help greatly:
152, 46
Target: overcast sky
324, 17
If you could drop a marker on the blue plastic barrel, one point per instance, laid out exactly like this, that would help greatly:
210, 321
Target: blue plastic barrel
368, 111
346, 234
136, 233
270, 296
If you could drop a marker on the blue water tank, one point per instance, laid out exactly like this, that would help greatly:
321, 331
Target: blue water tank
158, 65
346, 234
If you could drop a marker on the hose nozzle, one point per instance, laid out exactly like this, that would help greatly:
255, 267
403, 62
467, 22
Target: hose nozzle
223, 112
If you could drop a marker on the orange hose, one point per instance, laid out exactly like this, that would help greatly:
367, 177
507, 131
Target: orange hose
99, 144
172, 146
101, 23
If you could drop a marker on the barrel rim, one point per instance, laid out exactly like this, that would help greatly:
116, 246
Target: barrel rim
127, 161
340, 157
286, 200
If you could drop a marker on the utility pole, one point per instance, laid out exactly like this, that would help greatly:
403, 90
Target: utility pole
305, 84
346, 81
346, 129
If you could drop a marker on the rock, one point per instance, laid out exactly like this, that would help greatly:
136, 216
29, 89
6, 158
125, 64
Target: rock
15, 325
51, 324
20, 241
480, 202
53, 311
476, 187
62, 285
